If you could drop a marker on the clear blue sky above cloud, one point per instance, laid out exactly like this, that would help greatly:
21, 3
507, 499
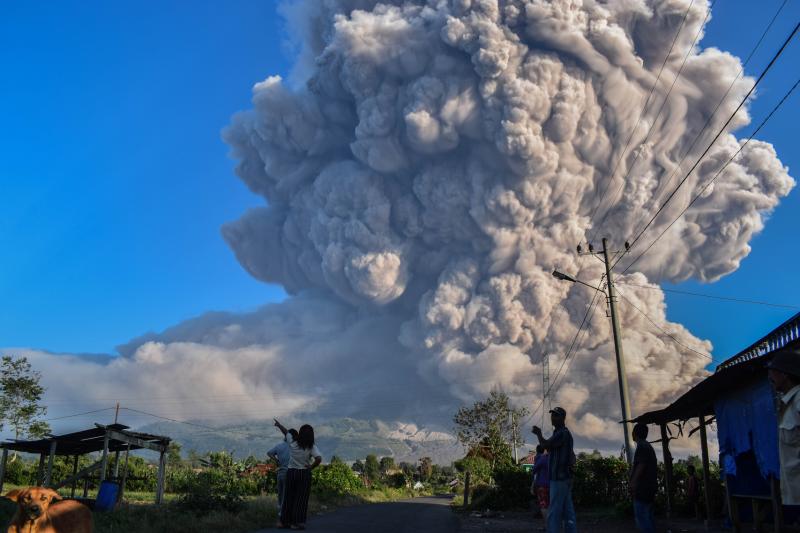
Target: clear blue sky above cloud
115, 181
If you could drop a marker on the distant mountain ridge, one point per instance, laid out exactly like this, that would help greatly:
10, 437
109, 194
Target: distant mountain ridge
347, 438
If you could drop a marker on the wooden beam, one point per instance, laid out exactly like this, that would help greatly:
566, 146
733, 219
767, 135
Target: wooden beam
124, 475
777, 503
40, 472
162, 466
706, 470
83, 473
105, 457
48, 476
668, 480
3, 468
733, 508
74, 475
135, 441
116, 465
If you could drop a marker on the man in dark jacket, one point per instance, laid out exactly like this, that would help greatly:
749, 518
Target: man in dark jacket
644, 480
562, 462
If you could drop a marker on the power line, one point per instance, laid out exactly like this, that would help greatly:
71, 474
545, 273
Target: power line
728, 162
719, 102
207, 428
78, 414
658, 114
567, 356
711, 144
662, 330
712, 296
641, 114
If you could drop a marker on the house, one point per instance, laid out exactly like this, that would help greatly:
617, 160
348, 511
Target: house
527, 462
739, 398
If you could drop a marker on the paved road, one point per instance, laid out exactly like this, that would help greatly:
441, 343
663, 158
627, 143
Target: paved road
420, 515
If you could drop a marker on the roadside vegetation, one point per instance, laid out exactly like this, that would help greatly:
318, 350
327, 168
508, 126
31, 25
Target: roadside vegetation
216, 492
487, 430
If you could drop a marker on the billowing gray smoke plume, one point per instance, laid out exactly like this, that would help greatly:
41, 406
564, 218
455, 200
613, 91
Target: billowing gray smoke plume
425, 169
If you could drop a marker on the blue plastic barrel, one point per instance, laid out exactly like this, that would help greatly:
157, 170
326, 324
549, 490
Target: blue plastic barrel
106, 496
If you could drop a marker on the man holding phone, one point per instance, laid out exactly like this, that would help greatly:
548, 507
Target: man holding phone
562, 463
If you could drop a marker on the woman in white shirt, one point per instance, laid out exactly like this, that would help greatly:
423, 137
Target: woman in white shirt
304, 457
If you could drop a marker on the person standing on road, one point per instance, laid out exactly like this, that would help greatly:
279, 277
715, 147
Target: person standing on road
281, 453
644, 480
561, 465
304, 457
784, 374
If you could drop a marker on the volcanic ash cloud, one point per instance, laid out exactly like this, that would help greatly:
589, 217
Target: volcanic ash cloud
440, 158
431, 162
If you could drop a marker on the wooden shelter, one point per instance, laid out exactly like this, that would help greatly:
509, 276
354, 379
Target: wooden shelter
734, 380
106, 439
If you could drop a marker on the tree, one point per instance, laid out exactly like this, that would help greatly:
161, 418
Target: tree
358, 466
425, 468
20, 397
408, 469
372, 469
487, 428
386, 464
174, 454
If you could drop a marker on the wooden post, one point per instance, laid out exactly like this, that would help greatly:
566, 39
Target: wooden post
777, 503
706, 472
86, 487
3, 468
466, 489
116, 465
124, 475
105, 459
757, 519
733, 508
668, 481
48, 476
162, 466
74, 472
40, 472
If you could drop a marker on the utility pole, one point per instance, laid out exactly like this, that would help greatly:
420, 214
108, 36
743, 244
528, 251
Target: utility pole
546, 402
611, 297
622, 376
116, 414
514, 436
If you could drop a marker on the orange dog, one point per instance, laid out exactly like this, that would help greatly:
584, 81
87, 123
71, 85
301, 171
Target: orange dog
36, 513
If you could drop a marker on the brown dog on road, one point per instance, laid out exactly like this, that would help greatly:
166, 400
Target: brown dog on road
41, 510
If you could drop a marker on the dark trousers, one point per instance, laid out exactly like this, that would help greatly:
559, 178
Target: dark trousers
295, 502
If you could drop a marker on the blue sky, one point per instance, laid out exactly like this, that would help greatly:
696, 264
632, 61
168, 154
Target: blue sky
115, 181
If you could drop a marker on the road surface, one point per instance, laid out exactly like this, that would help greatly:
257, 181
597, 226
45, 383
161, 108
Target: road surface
419, 515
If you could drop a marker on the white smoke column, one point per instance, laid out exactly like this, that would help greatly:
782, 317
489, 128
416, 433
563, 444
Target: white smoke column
424, 171
442, 157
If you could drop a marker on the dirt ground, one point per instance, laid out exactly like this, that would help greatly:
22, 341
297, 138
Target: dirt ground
513, 522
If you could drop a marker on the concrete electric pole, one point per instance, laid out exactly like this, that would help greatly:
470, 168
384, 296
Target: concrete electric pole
622, 377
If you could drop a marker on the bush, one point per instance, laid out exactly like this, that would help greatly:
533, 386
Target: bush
335, 478
480, 469
600, 481
397, 480
513, 485
510, 490
214, 490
